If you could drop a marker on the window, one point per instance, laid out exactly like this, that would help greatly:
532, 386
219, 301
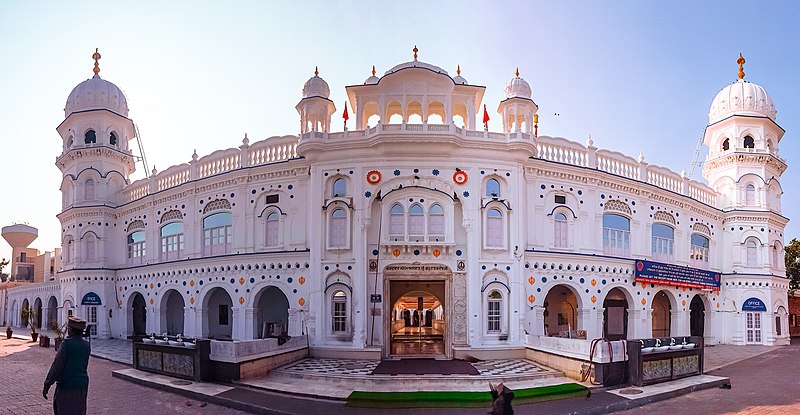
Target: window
616, 235
217, 234
416, 221
663, 242
223, 314
776, 255
91, 253
339, 312
90, 137
492, 188
88, 190
494, 312
560, 199
171, 241
560, 230
749, 142
750, 194
752, 253
271, 235
494, 229
726, 144
397, 222
699, 251
436, 221
112, 139
338, 229
68, 253
339, 188
136, 247
753, 327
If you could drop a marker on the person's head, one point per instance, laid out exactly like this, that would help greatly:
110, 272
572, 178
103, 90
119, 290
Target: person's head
75, 326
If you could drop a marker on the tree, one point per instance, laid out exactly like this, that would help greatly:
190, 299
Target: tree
792, 259
3, 264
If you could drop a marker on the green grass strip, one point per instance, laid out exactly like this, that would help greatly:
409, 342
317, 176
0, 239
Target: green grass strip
459, 399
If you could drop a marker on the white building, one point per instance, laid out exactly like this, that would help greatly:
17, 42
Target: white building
492, 242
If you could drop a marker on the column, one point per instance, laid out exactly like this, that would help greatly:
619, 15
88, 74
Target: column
189, 328
680, 325
640, 324
153, 320
200, 322
250, 331
239, 315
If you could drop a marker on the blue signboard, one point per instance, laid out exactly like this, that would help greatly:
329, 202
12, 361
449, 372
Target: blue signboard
91, 299
675, 275
753, 304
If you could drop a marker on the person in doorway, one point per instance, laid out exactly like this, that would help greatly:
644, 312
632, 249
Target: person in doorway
501, 400
69, 372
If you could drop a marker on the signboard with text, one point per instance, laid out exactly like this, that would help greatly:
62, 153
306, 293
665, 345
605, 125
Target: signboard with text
91, 299
754, 304
675, 275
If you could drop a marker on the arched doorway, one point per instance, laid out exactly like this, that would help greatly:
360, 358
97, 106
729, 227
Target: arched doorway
172, 311
417, 324
615, 315
697, 311
561, 312
139, 315
271, 313
14, 314
662, 315
23, 317
218, 319
37, 306
52, 312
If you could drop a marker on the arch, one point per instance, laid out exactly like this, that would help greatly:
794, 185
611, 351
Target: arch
460, 114
416, 220
697, 316
218, 315
701, 228
136, 224
24, 317
663, 242
436, 226
616, 314
217, 233
89, 241
137, 314
171, 215
397, 219
751, 245
560, 230
616, 234
665, 217
52, 312
337, 229
413, 112
68, 249
748, 142
726, 145
699, 249
172, 312
37, 307
778, 259
272, 229
437, 111
750, 194
339, 312
662, 306
217, 204
271, 313
495, 235
88, 190
492, 187
90, 137
617, 205
561, 317
112, 138
339, 187
137, 247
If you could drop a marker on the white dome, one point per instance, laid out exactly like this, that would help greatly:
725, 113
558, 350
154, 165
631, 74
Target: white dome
518, 88
416, 64
316, 87
459, 80
741, 98
96, 93
372, 80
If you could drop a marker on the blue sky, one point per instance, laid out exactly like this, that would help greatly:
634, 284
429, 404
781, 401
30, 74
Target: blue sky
636, 75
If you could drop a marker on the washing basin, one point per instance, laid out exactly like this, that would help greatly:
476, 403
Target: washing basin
662, 348
676, 347
189, 345
689, 346
162, 342
175, 343
148, 340
648, 349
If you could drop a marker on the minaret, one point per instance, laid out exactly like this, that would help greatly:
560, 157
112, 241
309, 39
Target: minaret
518, 108
315, 108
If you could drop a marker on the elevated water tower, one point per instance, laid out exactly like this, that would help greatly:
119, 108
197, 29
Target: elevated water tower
19, 236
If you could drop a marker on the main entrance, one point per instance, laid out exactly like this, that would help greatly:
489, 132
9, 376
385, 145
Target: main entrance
417, 318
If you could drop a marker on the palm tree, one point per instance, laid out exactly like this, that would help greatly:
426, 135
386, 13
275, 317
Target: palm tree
29, 314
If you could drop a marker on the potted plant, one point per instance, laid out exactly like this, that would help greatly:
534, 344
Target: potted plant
29, 314
59, 333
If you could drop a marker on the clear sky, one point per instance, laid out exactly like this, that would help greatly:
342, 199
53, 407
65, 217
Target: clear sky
636, 75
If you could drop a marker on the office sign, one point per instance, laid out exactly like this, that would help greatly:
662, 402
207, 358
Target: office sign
675, 275
91, 299
753, 304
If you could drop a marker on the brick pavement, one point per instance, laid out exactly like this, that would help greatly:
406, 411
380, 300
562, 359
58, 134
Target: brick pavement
23, 367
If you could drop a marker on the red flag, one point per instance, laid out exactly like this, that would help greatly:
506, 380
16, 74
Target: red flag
346, 116
485, 117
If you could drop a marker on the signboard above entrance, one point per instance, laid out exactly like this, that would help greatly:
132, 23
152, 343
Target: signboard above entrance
91, 299
675, 275
753, 304
417, 267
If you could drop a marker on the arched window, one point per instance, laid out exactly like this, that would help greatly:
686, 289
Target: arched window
494, 313
397, 222
494, 229
616, 235
67, 253
338, 229
749, 142
750, 194
217, 233
726, 144
663, 242
339, 312
492, 188
136, 248
560, 230
90, 137
339, 188
91, 247
752, 253
112, 139
271, 238
88, 190
171, 241
776, 256
416, 220
699, 250
436, 221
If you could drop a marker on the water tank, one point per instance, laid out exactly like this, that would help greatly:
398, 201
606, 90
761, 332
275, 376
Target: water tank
19, 235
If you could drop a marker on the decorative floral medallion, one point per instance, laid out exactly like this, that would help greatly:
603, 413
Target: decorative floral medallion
241, 281
396, 252
373, 177
436, 253
152, 301
301, 280
191, 283
531, 298
241, 300
460, 177
531, 280
301, 301
594, 299
644, 301
191, 300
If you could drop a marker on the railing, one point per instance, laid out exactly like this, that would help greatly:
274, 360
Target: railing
562, 151
174, 176
218, 162
24, 260
617, 163
665, 179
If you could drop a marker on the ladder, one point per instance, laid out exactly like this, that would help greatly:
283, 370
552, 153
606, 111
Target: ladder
696, 162
142, 158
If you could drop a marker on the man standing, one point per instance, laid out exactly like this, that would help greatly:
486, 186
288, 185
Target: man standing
69, 372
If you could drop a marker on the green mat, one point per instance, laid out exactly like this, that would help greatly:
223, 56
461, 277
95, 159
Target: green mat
460, 399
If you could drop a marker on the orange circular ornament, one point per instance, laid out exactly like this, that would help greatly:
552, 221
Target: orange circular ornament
396, 252
531, 280
594, 282
373, 177
436, 253
594, 299
241, 281
531, 298
152, 301
460, 177
683, 302
151, 285
191, 300
301, 301
241, 300
301, 280
191, 283
644, 301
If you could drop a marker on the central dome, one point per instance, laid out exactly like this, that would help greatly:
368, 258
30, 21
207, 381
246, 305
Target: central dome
96, 93
416, 64
518, 88
741, 98
316, 87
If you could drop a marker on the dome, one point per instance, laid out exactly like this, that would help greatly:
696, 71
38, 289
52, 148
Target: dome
316, 87
459, 80
416, 64
518, 88
741, 98
96, 93
372, 80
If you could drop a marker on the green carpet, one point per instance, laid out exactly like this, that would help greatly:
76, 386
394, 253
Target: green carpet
460, 399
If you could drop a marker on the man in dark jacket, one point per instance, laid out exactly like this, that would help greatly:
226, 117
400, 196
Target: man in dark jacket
501, 400
69, 372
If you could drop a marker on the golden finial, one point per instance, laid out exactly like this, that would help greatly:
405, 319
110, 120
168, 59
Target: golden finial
96, 57
458, 71
373, 70
415, 52
517, 72
316, 71
741, 61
